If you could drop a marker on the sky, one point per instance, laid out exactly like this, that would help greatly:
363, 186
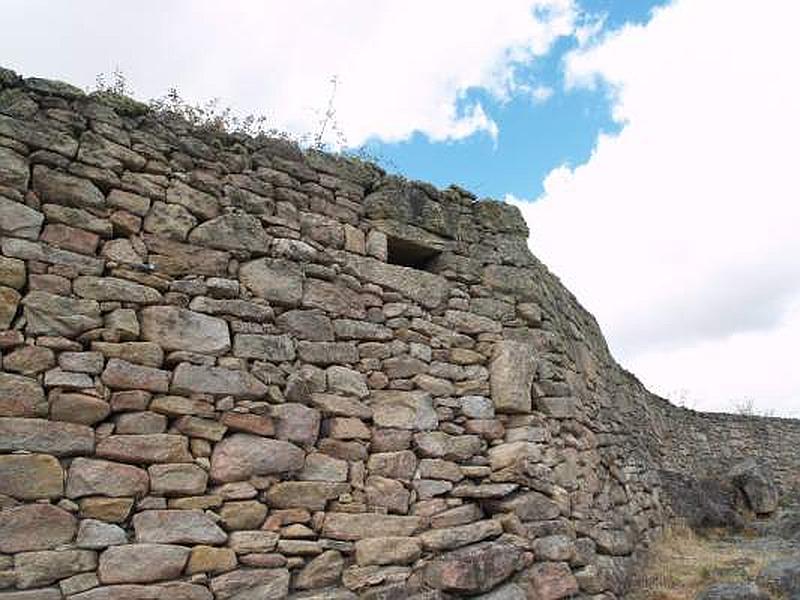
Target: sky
650, 144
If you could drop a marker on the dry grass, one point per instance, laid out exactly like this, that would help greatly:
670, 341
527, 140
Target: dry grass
682, 563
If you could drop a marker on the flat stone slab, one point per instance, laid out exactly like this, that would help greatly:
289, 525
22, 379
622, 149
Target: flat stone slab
49, 437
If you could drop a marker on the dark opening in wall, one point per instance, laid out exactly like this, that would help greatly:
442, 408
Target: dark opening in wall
410, 254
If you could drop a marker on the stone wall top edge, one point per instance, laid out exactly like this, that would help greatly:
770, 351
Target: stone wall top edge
492, 214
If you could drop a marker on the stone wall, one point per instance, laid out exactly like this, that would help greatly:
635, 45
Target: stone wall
234, 370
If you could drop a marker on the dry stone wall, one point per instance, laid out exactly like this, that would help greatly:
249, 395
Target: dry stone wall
235, 370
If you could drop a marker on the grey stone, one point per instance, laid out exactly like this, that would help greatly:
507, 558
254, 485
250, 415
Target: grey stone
148, 354
190, 379
781, 576
169, 220
528, 506
310, 325
19, 395
353, 527
48, 313
321, 467
388, 550
513, 367
101, 152
404, 410
461, 535
342, 380
176, 590
37, 435
477, 407
19, 220
331, 404
39, 594
14, 170
59, 188
437, 444
251, 584
199, 203
426, 288
233, 231
77, 217
276, 280
334, 299
178, 479
274, 348
349, 329
65, 379
243, 309
107, 289
177, 527
323, 570
36, 569
311, 495
240, 456
757, 485
142, 563
97, 535
327, 353
28, 250
38, 135
176, 328
396, 465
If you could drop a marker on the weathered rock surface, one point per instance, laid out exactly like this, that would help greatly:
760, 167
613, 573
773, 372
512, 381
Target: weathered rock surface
241, 456
177, 527
88, 477
175, 328
474, 569
35, 527
142, 563
190, 379
49, 437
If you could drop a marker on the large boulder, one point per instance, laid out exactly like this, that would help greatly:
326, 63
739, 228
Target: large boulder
703, 503
756, 483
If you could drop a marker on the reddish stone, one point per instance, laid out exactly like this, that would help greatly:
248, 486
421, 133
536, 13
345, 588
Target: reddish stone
70, 238
549, 581
249, 423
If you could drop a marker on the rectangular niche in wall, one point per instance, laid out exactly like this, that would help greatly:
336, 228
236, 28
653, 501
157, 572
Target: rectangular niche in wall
410, 253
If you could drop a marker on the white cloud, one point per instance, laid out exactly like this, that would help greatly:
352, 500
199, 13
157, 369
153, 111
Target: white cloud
681, 232
402, 66
542, 93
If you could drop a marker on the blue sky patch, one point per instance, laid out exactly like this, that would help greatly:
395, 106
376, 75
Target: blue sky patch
534, 136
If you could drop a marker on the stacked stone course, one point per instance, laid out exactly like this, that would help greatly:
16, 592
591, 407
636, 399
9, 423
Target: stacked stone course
235, 370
